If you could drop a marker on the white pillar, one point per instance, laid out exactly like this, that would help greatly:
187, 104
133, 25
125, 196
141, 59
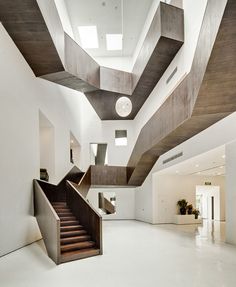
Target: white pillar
230, 152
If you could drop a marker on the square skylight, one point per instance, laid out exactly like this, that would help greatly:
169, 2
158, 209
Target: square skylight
114, 42
88, 37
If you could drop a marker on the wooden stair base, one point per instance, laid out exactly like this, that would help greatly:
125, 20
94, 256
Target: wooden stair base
75, 255
75, 242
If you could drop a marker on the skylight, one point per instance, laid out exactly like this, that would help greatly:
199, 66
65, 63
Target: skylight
88, 37
114, 42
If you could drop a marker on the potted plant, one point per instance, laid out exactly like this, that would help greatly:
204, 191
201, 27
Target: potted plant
190, 209
183, 206
196, 212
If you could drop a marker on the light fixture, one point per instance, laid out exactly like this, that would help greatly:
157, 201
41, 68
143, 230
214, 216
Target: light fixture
197, 165
114, 42
88, 37
176, 171
221, 166
123, 107
223, 156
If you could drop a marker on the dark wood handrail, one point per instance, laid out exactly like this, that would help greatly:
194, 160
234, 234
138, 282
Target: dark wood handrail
85, 183
48, 222
85, 213
57, 192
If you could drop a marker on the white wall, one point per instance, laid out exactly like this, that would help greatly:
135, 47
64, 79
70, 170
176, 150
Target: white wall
125, 202
203, 142
64, 16
94, 130
231, 192
168, 189
21, 98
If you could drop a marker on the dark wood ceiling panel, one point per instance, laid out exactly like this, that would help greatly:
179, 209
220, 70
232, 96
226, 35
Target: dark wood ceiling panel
25, 24
205, 96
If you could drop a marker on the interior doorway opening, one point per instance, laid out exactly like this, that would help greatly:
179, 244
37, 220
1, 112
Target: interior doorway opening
208, 201
75, 149
47, 148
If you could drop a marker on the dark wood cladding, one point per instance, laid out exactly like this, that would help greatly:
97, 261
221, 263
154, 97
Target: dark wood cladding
102, 86
204, 97
85, 183
80, 64
164, 39
56, 193
25, 24
85, 213
105, 205
108, 176
48, 222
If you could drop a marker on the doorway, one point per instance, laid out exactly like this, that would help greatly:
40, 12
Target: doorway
208, 201
47, 148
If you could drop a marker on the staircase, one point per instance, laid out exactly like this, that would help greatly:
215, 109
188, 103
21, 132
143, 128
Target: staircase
75, 242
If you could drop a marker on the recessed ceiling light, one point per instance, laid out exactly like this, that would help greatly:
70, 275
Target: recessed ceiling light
88, 37
197, 165
222, 166
223, 156
114, 42
123, 106
176, 171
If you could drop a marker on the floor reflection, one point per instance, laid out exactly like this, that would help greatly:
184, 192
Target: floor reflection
210, 230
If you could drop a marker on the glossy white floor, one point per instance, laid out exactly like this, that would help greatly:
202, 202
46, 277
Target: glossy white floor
135, 254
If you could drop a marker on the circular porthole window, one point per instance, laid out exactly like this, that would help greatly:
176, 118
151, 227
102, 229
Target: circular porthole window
123, 106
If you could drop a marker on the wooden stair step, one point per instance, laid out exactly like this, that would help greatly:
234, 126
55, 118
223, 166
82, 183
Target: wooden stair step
71, 227
67, 218
62, 209
79, 254
69, 222
78, 245
73, 233
75, 239
64, 214
59, 204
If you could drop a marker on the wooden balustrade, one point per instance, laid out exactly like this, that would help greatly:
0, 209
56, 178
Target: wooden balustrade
48, 221
84, 212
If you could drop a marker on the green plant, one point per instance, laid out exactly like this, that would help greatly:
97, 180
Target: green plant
196, 212
183, 206
182, 203
190, 208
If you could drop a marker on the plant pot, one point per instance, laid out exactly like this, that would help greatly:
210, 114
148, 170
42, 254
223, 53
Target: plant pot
190, 211
196, 216
183, 211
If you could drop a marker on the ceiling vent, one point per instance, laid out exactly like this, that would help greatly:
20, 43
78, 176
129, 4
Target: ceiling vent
171, 75
173, 157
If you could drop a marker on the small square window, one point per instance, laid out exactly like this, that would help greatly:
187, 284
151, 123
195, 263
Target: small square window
120, 137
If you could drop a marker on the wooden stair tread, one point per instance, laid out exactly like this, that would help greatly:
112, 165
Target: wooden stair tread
79, 254
74, 239
77, 245
64, 214
66, 218
69, 222
73, 233
71, 227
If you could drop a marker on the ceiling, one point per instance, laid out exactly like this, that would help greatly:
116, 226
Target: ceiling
107, 16
211, 163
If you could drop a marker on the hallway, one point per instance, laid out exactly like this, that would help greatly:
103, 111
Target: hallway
135, 254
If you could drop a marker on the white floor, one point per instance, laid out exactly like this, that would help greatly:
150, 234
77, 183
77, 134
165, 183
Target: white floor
135, 254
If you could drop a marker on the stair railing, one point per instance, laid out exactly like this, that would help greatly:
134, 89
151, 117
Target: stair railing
85, 212
49, 223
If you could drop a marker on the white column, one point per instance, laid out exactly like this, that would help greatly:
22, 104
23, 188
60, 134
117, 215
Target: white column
231, 192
